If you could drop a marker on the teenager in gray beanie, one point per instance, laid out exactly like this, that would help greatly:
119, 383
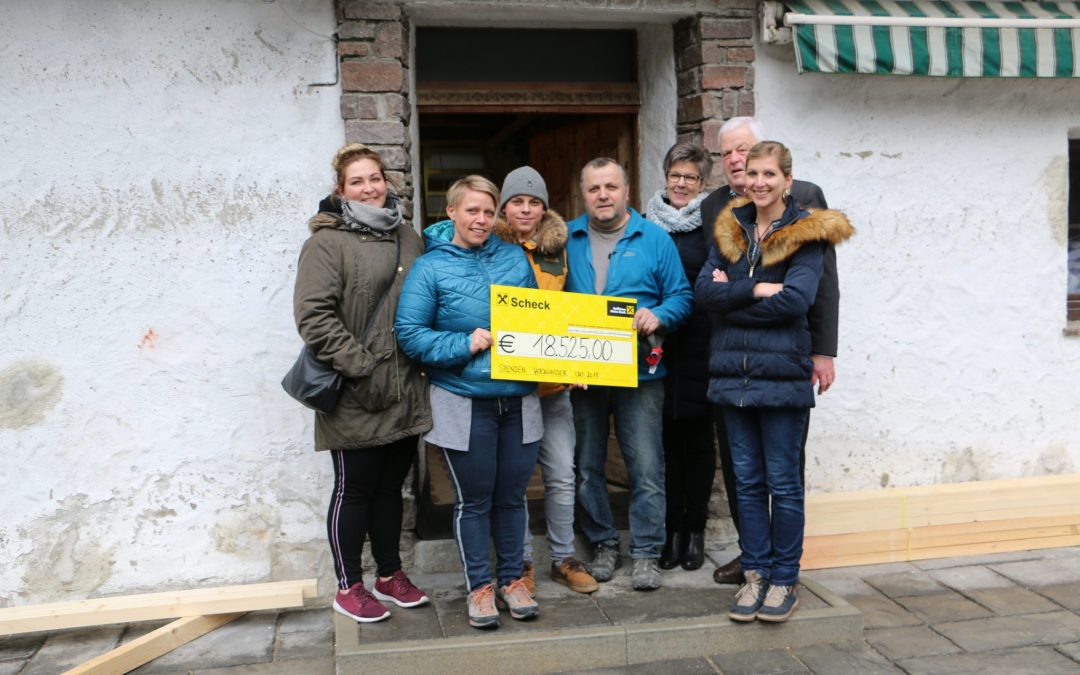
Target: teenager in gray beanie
524, 180
525, 219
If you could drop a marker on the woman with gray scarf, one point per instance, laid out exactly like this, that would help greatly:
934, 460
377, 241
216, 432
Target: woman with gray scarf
348, 282
689, 455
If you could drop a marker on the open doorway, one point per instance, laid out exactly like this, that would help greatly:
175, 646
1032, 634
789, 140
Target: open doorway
552, 99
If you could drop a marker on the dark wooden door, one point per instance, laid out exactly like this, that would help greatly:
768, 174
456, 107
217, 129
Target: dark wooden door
560, 152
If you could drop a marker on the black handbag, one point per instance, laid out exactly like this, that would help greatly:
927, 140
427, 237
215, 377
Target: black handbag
315, 383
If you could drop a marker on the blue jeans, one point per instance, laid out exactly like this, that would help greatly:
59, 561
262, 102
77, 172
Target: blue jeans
638, 426
765, 448
489, 489
557, 465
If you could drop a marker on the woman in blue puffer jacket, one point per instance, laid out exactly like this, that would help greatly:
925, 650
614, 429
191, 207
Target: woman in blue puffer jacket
489, 430
759, 282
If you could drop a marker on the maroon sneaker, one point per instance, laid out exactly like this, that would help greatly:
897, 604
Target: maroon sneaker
359, 604
400, 591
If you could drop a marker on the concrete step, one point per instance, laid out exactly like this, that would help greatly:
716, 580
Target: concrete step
614, 627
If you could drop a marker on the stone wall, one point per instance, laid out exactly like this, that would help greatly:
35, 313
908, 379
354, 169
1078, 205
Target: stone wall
714, 59
373, 47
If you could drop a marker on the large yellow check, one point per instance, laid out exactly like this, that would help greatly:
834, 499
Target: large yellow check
553, 336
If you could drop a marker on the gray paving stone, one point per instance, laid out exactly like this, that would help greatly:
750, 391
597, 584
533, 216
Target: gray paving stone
909, 642
309, 645
842, 582
1063, 552
1045, 572
12, 667
20, 646
667, 603
971, 578
309, 620
773, 662
988, 559
416, 623
905, 584
1012, 600
844, 658
680, 667
863, 571
1066, 595
950, 606
1005, 632
249, 639
65, 650
323, 666
881, 612
1030, 661
1071, 650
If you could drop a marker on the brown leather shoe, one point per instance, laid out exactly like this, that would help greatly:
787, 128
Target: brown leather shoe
528, 578
730, 573
573, 575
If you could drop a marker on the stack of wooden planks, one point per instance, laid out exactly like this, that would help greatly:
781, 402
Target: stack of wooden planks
196, 611
939, 521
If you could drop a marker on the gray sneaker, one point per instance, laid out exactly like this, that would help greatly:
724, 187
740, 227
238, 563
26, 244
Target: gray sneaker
606, 560
780, 603
646, 575
749, 598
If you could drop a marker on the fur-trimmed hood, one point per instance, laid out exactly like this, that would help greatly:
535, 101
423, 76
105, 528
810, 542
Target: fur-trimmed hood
824, 225
550, 236
325, 219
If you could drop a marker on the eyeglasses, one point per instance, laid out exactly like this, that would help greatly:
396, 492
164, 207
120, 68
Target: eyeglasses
689, 178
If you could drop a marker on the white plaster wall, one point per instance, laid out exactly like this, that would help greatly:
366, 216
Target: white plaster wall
159, 163
659, 100
953, 365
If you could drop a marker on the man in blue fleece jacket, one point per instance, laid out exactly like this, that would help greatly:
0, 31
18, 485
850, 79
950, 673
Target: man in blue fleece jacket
613, 250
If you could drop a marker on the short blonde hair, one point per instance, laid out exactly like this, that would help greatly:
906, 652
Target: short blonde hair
472, 183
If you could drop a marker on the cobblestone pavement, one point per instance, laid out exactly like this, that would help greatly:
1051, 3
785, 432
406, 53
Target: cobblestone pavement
1012, 613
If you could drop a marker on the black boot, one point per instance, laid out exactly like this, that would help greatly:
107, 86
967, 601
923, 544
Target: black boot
694, 557
672, 554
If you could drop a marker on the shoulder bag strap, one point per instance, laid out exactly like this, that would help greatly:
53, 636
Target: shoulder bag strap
386, 291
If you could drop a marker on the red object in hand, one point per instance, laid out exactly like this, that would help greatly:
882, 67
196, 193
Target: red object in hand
654, 356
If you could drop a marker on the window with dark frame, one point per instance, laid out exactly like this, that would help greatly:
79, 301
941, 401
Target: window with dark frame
1073, 299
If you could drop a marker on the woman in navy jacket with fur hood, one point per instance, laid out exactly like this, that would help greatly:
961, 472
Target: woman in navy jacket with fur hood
758, 284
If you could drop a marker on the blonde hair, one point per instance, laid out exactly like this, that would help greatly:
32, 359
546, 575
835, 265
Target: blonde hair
350, 153
773, 149
472, 183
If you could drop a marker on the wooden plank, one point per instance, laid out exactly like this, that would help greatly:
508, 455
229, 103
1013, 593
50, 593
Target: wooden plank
906, 544
842, 559
897, 508
151, 606
994, 530
141, 651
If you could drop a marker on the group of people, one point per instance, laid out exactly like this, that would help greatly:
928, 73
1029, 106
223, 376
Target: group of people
737, 289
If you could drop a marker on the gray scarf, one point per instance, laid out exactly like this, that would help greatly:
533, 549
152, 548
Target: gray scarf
377, 221
673, 220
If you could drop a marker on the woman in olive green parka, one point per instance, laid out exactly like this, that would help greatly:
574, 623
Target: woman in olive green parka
360, 250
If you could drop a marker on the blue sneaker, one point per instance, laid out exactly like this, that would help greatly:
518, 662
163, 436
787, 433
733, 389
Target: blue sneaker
780, 603
749, 598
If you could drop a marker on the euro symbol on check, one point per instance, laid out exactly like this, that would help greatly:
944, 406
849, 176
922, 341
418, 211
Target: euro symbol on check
502, 298
506, 344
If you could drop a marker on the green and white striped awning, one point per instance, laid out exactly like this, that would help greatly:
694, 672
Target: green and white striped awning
946, 39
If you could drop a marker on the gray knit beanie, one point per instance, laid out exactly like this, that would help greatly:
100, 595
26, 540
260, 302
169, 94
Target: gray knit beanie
523, 180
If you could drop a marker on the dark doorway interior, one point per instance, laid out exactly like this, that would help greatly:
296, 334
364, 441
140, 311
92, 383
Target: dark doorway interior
493, 144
